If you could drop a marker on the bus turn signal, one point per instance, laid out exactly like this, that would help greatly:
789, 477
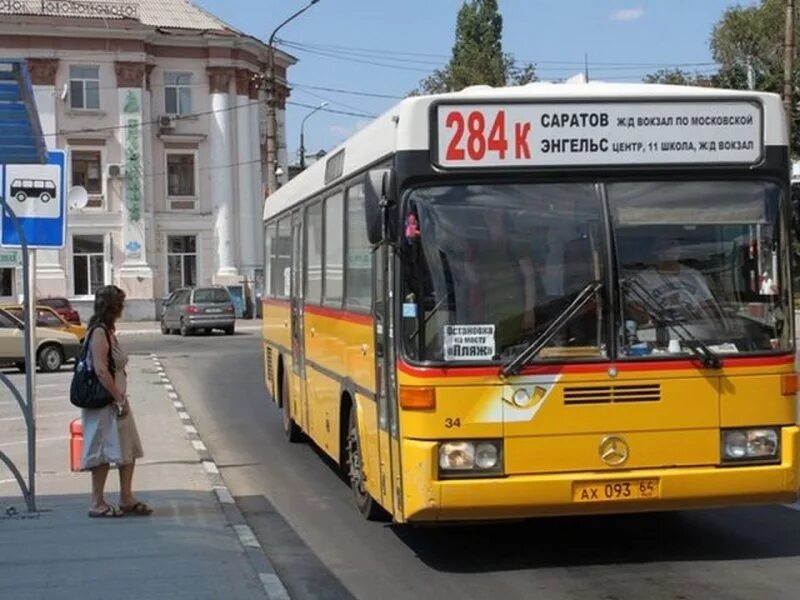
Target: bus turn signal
789, 384
417, 398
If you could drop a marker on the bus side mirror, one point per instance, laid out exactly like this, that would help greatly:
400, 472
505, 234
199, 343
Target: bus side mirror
380, 201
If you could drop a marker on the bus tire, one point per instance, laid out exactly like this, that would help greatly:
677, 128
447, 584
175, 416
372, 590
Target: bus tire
354, 464
290, 429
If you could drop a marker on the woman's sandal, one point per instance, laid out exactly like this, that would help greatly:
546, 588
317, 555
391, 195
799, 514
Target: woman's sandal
107, 512
140, 509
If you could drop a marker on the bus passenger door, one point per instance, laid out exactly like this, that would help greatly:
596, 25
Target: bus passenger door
384, 364
299, 407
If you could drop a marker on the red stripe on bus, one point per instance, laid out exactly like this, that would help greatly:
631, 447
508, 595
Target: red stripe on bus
344, 315
666, 365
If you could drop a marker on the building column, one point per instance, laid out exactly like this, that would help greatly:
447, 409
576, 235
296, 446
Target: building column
247, 195
51, 277
135, 274
222, 187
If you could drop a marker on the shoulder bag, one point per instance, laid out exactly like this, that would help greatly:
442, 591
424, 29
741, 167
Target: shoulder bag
86, 391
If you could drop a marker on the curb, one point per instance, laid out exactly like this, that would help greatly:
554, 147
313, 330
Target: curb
157, 331
270, 581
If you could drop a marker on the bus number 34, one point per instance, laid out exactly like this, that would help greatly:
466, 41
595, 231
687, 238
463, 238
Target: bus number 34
474, 137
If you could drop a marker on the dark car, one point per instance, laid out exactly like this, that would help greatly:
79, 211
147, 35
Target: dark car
198, 309
63, 307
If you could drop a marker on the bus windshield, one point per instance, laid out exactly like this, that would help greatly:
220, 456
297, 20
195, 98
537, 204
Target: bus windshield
700, 262
487, 268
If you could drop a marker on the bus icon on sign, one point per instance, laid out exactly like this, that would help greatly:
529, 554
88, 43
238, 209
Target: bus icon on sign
43, 189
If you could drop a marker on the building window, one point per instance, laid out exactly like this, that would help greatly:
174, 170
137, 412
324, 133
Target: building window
178, 93
7, 277
334, 249
88, 264
358, 272
84, 87
181, 175
181, 262
87, 171
314, 254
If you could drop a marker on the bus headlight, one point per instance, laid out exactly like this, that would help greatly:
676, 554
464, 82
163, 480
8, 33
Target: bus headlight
470, 457
750, 445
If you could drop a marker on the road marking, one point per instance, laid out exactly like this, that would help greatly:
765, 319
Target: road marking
246, 536
224, 495
795, 506
273, 586
199, 446
172, 396
42, 416
178, 405
169, 387
38, 441
38, 400
210, 467
190, 429
184, 415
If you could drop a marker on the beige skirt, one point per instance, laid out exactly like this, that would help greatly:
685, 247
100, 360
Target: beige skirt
109, 439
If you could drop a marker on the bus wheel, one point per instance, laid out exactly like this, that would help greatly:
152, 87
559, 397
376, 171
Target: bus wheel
366, 504
290, 428
21, 196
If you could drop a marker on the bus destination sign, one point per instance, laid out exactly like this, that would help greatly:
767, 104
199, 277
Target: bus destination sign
597, 134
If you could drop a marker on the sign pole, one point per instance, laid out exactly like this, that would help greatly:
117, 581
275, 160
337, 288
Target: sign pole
30, 365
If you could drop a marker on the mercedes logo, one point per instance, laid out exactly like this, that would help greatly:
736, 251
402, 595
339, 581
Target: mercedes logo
614, 450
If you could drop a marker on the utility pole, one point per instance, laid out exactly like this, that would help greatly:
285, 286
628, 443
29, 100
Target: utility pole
272, 102
788, 66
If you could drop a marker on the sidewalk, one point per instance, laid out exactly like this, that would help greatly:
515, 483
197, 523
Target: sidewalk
154, 327
187, 549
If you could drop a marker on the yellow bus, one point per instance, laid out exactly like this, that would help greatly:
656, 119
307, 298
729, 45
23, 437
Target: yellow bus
550, 299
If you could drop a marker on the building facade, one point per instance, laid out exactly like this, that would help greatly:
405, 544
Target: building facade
161, 109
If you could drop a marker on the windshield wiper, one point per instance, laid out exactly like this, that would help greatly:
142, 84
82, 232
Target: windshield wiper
561, 319
699, 348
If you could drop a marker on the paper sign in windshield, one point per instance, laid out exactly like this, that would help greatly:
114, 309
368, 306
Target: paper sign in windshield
469, 342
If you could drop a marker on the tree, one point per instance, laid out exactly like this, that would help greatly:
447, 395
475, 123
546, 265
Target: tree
478, 57
745, 36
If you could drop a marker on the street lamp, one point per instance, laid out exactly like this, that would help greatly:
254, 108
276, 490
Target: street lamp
302, 135
272, 119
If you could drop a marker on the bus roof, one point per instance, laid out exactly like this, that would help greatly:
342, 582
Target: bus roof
406, 125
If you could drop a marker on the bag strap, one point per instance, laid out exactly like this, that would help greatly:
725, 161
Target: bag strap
86, 345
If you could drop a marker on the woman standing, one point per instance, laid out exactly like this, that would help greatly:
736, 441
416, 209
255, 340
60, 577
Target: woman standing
109, 433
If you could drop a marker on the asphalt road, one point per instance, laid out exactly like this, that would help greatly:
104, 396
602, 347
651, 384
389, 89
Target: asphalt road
303, 514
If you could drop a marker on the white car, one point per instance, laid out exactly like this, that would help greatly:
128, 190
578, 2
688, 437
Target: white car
53, 347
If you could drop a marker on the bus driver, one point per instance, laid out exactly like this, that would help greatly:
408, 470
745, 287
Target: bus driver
674, 290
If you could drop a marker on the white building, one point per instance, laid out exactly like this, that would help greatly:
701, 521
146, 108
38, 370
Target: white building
160, 106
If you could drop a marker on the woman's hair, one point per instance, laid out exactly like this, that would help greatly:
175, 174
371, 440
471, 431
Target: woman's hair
108, 304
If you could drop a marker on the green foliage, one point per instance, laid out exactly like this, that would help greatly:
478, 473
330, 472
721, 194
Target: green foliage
478, 57
753, 35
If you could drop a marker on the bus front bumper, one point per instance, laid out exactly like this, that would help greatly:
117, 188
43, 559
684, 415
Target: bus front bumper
523, 496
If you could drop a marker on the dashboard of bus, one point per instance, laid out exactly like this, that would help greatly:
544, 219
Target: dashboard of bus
594, 270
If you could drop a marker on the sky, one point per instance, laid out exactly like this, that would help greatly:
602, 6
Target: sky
337, 43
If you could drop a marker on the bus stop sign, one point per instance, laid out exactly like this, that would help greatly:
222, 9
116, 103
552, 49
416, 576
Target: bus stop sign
37, 195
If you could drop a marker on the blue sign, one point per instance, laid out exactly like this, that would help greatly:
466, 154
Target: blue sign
38, 196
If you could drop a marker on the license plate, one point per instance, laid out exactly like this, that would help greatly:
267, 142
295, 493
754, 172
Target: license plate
213, 310
611, 491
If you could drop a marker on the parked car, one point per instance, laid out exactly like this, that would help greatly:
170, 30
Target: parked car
198, 309
48, 317
53, 347
63, 307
